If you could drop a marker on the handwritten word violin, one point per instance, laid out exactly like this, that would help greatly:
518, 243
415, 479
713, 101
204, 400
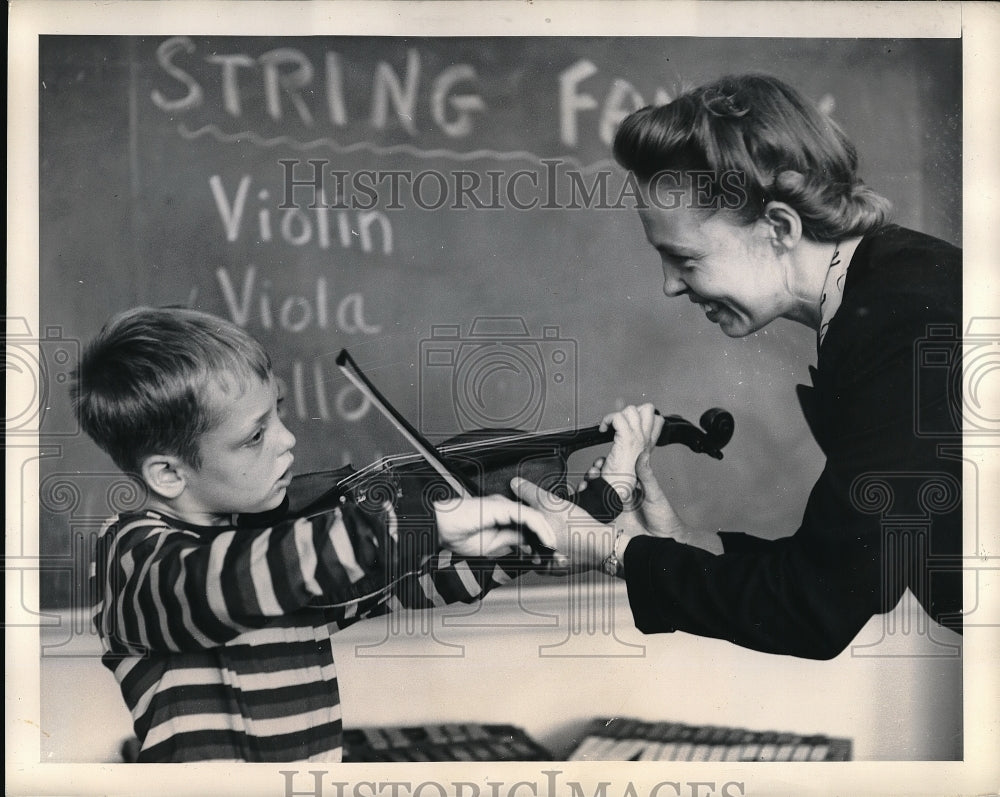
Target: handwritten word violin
482, 462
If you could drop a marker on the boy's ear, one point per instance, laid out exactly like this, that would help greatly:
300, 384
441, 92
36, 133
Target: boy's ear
164, 474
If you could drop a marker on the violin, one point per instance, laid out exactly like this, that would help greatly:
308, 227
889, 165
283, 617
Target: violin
482, 462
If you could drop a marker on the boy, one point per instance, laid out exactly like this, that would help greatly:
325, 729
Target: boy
215, 623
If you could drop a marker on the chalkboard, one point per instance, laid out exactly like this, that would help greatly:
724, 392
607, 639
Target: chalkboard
501, 283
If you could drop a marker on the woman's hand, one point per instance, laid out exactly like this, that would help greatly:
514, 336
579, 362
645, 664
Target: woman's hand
653, 513
649, 511
636, 431
488, 526
580, 541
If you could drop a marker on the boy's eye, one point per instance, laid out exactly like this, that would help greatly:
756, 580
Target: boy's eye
256, 438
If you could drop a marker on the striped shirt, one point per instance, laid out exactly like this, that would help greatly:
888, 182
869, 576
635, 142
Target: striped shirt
219, 637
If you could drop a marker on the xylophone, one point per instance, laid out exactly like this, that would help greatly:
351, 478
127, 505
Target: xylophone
446, 742
622, 739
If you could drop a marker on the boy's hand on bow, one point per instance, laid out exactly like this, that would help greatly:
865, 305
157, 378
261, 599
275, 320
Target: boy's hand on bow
489, 526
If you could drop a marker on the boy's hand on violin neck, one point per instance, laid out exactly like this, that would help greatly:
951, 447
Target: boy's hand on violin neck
488, 526
580, 541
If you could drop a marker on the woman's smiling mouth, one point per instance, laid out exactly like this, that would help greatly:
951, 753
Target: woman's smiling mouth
711, 309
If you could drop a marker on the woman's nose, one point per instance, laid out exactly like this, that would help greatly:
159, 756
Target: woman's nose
673, 285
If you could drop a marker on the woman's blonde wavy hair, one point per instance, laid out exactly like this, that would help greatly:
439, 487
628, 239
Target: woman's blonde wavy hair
762, 129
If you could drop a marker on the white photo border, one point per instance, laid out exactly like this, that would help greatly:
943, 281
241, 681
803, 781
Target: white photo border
979, 26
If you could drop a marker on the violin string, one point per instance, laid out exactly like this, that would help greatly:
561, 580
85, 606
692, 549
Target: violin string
496, 442
457, 448
384, 463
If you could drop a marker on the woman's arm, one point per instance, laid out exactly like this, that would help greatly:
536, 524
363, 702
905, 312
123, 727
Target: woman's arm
809, 594
798, 596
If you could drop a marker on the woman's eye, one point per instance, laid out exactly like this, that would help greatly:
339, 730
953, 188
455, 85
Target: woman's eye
679, 261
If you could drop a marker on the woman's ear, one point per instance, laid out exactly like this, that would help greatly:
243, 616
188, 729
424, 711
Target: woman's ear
165, 475
784, 225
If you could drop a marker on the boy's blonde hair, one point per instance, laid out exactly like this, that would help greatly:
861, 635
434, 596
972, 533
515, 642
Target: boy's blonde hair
142, 384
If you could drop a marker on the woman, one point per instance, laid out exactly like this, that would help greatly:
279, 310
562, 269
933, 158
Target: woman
773, 223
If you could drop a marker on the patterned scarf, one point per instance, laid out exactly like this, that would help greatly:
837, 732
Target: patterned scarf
833, 292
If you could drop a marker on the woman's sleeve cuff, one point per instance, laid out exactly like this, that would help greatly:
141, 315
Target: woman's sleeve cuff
644, 576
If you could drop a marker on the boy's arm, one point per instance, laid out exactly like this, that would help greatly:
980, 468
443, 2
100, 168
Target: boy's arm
469, 564
446, 578
469, 546
169, 589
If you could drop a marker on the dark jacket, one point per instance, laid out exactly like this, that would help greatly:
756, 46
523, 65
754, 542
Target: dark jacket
886, 511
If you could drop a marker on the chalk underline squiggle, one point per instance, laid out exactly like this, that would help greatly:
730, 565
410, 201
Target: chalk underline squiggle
397, 149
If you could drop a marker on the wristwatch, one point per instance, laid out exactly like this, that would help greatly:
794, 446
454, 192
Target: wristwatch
612, 564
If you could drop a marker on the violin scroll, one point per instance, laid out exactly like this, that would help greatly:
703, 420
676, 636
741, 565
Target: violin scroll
718, 425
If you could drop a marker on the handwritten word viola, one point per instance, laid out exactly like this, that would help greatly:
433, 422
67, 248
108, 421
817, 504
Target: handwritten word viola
294, 313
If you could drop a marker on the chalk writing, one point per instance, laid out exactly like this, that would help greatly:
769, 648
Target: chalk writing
310, 394
287, 77
326, 142
299, 226
292, 313
622, 98
287, 85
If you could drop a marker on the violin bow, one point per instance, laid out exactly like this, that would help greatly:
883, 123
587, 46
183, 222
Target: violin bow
422, 445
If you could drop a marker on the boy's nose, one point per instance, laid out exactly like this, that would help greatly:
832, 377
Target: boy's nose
287, 439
